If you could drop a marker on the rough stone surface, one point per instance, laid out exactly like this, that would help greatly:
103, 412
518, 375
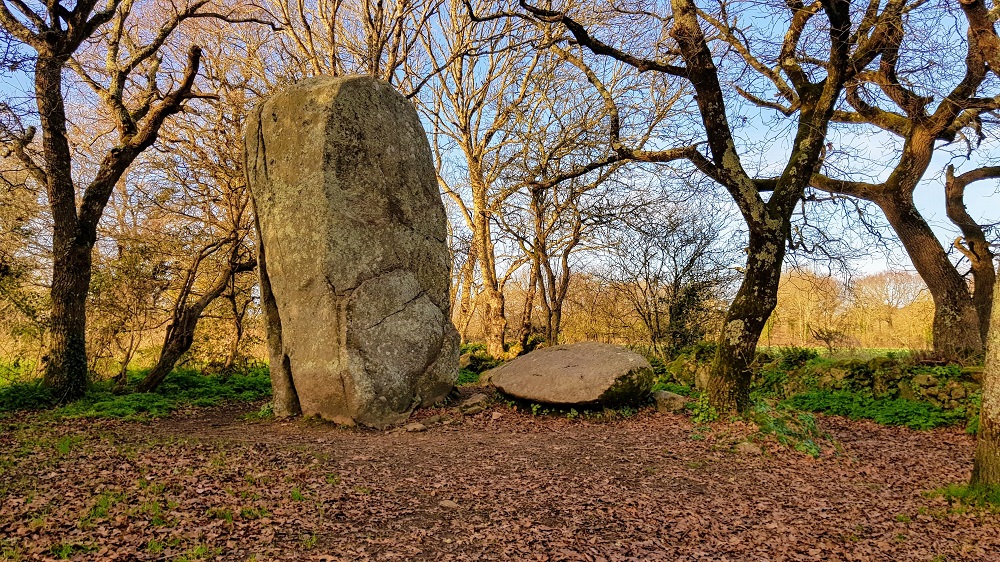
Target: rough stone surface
354, 263
586, 373
669, 402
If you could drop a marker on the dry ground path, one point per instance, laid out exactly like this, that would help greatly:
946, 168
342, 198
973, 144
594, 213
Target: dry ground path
500, 485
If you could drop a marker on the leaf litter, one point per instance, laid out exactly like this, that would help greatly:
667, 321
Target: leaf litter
208, 484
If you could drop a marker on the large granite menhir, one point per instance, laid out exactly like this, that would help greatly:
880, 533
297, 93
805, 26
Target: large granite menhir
354, 263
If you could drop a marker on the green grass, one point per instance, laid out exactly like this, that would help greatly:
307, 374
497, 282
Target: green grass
182, 388
974, 496
789, 427
676, 388
465, 376
19, 396
885, 411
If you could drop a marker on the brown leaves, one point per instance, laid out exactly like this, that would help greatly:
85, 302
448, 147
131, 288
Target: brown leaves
519, 487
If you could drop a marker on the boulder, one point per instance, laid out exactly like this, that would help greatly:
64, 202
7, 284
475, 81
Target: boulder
354, 262
580, 374
669, 402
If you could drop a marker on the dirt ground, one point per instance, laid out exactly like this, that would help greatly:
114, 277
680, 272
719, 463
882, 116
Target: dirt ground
500, 485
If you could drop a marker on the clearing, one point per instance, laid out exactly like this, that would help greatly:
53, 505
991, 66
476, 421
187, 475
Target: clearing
217, 484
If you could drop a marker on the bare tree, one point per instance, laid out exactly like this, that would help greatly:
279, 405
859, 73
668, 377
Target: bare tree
472, 103
677, 46
201, 193
128, 87
927, 91
339, 37
669, 263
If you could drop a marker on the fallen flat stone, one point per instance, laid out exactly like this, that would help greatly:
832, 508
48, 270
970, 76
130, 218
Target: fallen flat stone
586, 373
415, 427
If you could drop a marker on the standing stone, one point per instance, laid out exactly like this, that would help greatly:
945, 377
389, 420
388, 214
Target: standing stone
354, 262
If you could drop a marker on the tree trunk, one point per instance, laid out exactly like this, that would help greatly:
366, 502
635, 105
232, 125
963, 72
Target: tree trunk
180, 332
180, 336
66, 357
973, 243
986, 466
238, 316
956, 322
465, 308
984, 277
494, 318
729, 385
529, 306
494, 321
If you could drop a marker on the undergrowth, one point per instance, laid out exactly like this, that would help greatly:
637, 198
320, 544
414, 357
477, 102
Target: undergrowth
182, 388
466, 376
885, 411
791, 428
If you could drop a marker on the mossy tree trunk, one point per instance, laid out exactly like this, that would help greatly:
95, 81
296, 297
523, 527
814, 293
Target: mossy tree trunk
986, 466
956, 328
729, 385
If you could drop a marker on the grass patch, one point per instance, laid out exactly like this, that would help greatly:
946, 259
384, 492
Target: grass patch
182, 388
465, 376
885, 411
25, 396
676, 388
986, 497
791, 428
67, 550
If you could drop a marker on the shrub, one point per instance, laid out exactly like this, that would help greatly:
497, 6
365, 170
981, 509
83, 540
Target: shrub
479, 360
659, 368
975, 404
768, 383
701, 351
976, 496
182, 388
703, 411
795, 357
